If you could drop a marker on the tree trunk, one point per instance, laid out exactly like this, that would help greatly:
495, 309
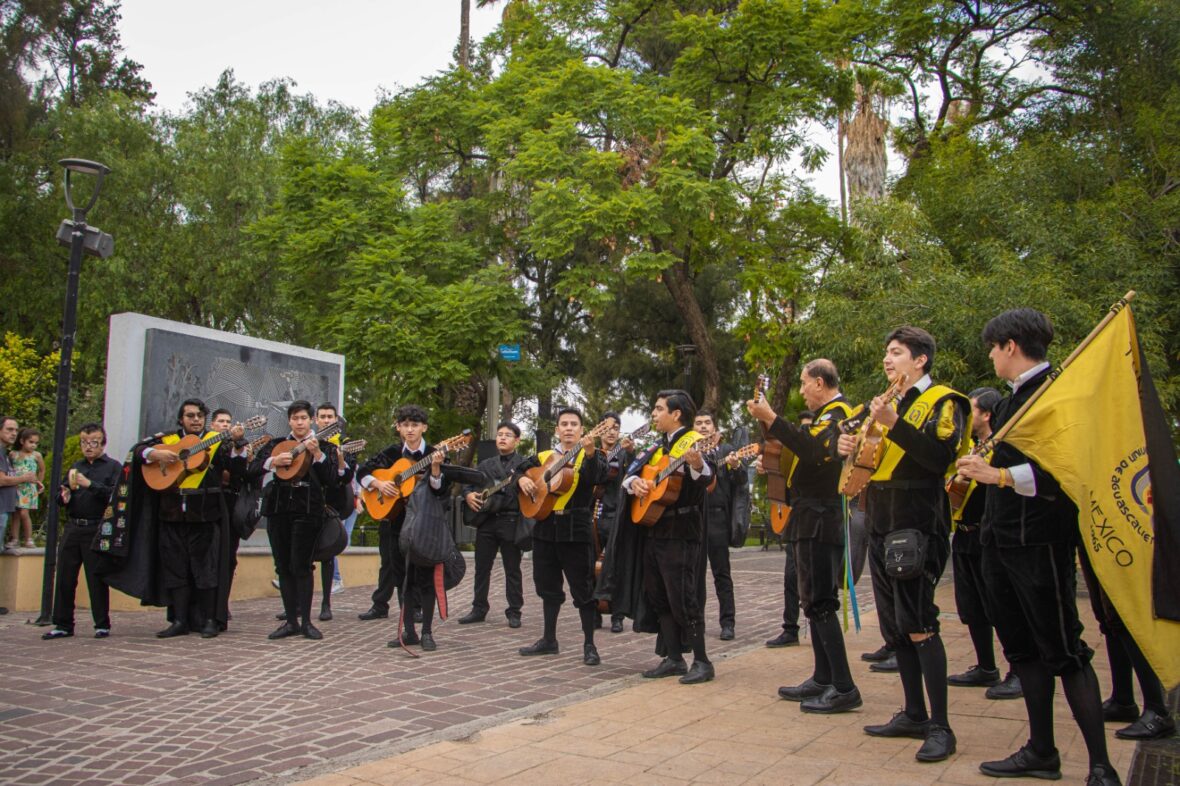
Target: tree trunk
465, 34
680, 286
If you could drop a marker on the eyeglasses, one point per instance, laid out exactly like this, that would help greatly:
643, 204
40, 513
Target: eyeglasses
90, 443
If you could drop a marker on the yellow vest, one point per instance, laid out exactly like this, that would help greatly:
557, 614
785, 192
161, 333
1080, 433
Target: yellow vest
817, 427
917, 416
564, 499
193, 480
679, 448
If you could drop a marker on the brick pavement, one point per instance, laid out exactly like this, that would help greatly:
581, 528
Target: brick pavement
240, 707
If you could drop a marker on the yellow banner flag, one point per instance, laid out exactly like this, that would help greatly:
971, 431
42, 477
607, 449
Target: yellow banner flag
1088, 430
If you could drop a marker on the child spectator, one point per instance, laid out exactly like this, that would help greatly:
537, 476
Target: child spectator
26, 460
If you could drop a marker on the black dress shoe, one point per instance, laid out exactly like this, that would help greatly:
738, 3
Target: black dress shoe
513, 620
373, 613
540, 647
880, 654
1150, 726
473, 616
900, 725
282, 615
210, 629
1103, 775
590, 655
698, 672
310, 631
283, 631
667, 668
410, 637
887, 666
325, 614
939, 745
975, 677
808, 689
1009, 688
1116, 712
57, 633
727, 633
428, 644
616, 625
175, 629
833, 701
1025, 763
784, 639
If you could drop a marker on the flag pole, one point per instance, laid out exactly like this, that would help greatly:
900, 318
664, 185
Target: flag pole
1119, 305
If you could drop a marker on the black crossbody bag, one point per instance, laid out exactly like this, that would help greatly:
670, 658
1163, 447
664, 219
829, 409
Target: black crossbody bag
905, 554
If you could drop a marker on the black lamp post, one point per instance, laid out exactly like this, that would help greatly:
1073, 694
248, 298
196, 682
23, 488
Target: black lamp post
81, 239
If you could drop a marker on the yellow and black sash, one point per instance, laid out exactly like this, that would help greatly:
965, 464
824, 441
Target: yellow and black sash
564, 499
957, 513
918, 415
194, 479
823, 419
679, 448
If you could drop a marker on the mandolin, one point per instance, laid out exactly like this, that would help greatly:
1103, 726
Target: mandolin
193, 453
860, 465
300, 462
552, 480
666, 482
404, 474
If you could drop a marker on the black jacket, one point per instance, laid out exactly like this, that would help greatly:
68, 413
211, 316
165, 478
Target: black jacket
305, 496
816, 508
386, 459
574, 525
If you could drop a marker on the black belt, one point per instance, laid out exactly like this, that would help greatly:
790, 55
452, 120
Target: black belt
909, 485
83, 522
194, 492
681, 511
569, 511
298, 484
966, 527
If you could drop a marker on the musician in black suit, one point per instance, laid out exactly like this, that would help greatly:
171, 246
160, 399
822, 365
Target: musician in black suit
562, 540
607, 492
342, 499
720, 523
412, 424
295, 515
673, 555
193, 526
496, 522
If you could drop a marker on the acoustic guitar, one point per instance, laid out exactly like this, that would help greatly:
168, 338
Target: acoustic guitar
860, 465
552, 480
404, 474
666, 482
957, 486
193, 455
775, 458
489, 504
300, 461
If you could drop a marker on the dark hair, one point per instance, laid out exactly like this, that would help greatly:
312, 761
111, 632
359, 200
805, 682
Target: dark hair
327, 405
302, 405
917, 341
986, 399
613, 415
508, 424
221, 411
705, 413
676, 399
411, 412
823, 369
24, 434
191, 402
806, 414
569, 411
90, 428
1030, 329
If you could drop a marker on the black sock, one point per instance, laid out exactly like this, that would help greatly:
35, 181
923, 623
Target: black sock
1149, 683
304, 585
1121, 666
1081, 691
326, 569
590, 620
699, 655
825, 629
1038, 686
287, 593
206, 600
822, 670
932, 656
670, 636
428, 612
981, 637
909, 668
550, 609
181, 599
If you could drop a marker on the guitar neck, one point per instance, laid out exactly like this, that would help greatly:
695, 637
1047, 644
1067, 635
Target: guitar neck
567, 458
209, 442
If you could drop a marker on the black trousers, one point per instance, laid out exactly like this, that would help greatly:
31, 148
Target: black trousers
1032, 602
575, 561
970, 592
820, 567
790, 595
907, 606
188, 553
392, 572
718, 554
670, 568
292, 541
74, 555
499, 535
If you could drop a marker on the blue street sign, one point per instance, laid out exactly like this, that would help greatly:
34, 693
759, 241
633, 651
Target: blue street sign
510, 352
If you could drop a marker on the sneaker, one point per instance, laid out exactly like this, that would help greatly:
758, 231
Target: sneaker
337, 587
102, 633
28, 544
57, 633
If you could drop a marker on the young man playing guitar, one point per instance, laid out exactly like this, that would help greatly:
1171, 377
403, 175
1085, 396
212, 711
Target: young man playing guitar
674, 552
719, 523
562, 542
496, 521
924, 435
815, 533
412, 423
607, 492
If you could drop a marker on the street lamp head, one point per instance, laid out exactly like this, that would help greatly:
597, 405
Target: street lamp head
83, 167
